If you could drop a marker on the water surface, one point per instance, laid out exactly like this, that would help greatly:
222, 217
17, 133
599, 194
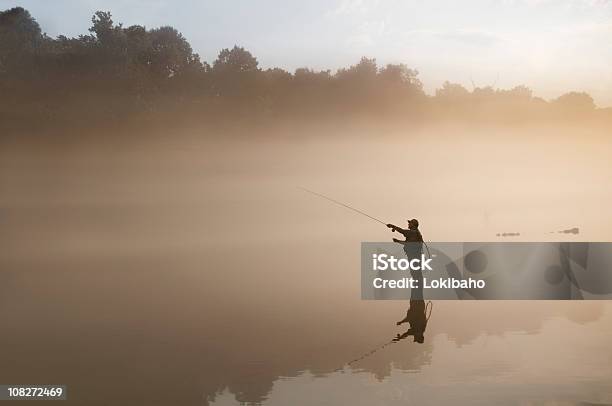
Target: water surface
183, 270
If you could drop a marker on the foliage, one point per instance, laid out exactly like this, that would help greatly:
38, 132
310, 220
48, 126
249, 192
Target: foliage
118, 72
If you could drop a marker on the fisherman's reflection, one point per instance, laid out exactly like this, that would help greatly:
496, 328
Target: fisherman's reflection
417, 314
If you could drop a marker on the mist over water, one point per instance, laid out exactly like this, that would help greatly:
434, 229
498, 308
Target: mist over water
188, 269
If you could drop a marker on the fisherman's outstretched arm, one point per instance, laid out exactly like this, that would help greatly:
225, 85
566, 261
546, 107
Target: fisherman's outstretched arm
395, 228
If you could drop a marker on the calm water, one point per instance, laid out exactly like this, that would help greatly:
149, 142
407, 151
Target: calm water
186, 272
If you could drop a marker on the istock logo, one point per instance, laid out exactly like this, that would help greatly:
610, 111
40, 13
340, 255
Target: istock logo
384, 262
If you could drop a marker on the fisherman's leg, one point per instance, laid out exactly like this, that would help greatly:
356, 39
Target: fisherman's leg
405, 319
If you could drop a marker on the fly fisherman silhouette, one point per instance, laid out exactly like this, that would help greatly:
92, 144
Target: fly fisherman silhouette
416, 315
413, 243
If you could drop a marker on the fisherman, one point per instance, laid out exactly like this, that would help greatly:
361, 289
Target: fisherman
413, 244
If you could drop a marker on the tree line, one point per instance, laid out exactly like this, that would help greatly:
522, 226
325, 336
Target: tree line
117, 73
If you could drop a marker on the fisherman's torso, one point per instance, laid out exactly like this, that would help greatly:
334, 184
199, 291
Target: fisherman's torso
415, 243
413, 235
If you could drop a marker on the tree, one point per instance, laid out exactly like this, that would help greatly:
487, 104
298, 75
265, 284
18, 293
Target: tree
235, 74
103, 26
363, 71
109, 50
577, 102
400, 75
452, 92
170, 53
520, 93
235, 60
20, 38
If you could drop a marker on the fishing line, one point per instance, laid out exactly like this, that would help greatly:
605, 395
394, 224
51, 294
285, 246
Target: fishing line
428, 306
365, 355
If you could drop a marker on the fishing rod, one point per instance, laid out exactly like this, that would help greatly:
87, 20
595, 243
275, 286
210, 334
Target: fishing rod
353, 209
342, 204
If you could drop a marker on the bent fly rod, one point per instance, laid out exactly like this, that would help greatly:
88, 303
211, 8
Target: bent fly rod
343, 205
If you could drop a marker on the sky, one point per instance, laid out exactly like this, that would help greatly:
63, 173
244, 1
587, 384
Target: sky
551, 46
